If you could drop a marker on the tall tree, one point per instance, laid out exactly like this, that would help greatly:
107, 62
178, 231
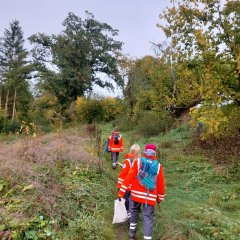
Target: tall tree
149, 85
70, 63
14, 71
208, 32
205, 43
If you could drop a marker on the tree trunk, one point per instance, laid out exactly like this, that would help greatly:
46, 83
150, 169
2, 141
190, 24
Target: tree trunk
14, 104
72, 110
6, 103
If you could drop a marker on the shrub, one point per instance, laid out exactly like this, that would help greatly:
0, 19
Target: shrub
222, 150
2, 123
96, 110
91, 130
89, 110
12, 126
45, 113
151, 123
7, 125
124, 122
218, 121
112, 108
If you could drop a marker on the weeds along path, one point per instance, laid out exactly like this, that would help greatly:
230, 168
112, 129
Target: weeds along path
50, 188
202, 199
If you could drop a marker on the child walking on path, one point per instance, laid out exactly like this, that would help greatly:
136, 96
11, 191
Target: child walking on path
146, 177
133, 154
115, 146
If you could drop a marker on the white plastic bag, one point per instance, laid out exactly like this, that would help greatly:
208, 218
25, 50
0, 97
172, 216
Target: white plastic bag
120, 212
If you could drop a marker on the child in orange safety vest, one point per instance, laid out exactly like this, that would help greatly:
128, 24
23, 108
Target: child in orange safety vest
133, 154
115, 146
142, 195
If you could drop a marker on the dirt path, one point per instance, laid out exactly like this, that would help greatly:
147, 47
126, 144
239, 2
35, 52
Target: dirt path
121, 231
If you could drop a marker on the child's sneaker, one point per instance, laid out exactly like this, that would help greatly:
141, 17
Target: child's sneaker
131, 236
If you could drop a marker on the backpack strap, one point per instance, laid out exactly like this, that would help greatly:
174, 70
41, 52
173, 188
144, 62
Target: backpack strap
141, 163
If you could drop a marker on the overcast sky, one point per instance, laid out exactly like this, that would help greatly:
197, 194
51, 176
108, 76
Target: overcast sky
135, 19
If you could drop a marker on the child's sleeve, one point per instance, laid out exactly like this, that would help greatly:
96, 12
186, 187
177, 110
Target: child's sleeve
160, 185
110, 143
128, 180
123, 173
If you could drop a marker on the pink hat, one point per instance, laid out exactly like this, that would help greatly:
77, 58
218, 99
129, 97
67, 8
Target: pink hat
150, 149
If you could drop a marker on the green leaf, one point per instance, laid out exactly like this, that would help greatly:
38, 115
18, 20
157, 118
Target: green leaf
42, 224
3, 185
2, 227
31, 235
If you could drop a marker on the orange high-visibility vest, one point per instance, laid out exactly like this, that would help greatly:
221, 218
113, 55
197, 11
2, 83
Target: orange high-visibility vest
115, 147
138, 192
125, 169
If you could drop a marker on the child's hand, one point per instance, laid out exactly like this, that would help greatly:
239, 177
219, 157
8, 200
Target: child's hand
120, 195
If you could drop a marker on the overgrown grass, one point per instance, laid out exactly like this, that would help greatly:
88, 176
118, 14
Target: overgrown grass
79, 210
53, 190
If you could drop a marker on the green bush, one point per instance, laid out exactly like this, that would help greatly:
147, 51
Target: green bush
112, 107
12, 126
151, 123
2, 123
7, 125
90, 110
124, 123
98, 109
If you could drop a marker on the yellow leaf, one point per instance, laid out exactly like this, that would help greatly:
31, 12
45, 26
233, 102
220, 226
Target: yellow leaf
27, 188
